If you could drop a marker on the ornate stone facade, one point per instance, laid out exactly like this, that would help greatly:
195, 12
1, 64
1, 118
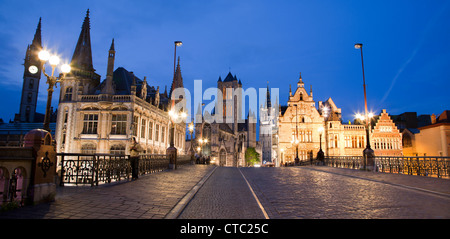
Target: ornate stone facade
303, 129
102, 118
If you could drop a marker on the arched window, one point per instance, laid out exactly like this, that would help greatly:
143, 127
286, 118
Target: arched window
118, 149
88, 149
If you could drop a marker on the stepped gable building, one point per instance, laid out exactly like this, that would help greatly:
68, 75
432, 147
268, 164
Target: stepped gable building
102, 117
304, 128
230, 134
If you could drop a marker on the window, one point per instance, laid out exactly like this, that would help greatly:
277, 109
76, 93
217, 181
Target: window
163, 135
143, 123
68, 95
157, 133
31, 84
119, 124
29, 97
66, 116
135, 125
150, 130
88, 149
117, 149
90, 123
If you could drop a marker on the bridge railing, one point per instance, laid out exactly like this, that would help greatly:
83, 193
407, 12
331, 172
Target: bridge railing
419, 165
95, 169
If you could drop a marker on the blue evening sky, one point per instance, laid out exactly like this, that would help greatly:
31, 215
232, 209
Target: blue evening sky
406, 46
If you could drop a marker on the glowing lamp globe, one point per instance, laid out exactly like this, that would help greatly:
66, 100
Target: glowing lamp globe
44, 55
65, 68
53, 60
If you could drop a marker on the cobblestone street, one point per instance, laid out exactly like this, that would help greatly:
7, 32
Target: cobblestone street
208, 192
151, 196
325, 192
319, 192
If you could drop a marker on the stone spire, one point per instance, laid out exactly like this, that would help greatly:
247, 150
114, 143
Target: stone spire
300, 81
268, 101
109, 88
177, 79
82, 56
37, 40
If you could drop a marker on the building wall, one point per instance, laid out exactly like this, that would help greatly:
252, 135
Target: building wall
140, 115
433, 140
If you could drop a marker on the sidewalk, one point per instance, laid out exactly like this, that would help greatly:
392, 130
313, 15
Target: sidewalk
151, 196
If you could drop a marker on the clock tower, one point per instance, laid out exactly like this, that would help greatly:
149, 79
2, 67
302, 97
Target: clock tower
31, 77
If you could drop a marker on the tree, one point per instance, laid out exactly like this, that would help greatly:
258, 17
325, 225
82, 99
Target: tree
251, 156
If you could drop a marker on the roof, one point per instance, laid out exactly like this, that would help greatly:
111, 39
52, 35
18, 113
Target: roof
443, 117
230, 78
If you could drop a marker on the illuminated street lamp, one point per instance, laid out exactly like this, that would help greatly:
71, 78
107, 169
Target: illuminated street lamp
175, 117
51, 81
202, 142
320, 154
172, 151
191, 149
177, 43
368, 152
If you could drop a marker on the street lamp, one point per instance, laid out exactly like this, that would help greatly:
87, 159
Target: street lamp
172, 151
51, 81
368, 152
191, 150
320, 154
177, 43
297, 160
174, 116
202, 142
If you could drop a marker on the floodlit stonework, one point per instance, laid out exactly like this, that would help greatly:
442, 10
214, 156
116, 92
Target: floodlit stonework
96, 117
304, 127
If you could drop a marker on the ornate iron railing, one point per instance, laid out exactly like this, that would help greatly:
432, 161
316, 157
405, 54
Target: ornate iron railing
353, 162
95, 169
419, 165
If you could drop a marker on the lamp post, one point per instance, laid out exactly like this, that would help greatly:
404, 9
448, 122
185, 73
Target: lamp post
297, 160
177, 43
51, 81
320, 154
368, 152
325, 112
191, 149
172, 151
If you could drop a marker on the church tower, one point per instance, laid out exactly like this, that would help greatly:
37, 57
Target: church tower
109, 88
31, 77
177, 83
81, 64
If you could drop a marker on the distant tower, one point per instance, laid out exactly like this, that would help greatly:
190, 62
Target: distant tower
31, 77
108, 87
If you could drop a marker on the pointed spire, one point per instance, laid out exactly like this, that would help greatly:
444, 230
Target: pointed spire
82, 56
300, 81
268, 101
177, 79
37, 40
112, 46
